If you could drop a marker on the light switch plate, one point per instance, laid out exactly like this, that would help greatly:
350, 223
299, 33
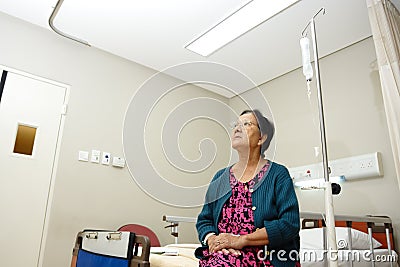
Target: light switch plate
83, 156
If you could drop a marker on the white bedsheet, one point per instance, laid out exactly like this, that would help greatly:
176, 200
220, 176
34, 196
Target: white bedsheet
185, 257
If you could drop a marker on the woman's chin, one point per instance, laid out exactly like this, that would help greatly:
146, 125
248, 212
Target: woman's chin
238, 144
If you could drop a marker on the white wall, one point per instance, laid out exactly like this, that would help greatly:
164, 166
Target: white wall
88, 195
355, 124
95, 196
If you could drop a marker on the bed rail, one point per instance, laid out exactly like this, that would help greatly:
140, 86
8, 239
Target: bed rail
352, 218
377, 227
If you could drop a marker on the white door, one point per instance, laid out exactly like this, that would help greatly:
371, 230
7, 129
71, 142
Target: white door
30, 108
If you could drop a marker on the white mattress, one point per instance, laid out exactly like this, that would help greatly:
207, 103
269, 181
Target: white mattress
184, 258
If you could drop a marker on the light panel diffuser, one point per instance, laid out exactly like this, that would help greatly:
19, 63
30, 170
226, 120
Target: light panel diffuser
238, 23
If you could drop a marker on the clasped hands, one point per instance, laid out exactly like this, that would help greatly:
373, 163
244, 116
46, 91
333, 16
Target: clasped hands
225, 243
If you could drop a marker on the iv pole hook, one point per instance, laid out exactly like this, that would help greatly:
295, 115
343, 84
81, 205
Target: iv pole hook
303, 33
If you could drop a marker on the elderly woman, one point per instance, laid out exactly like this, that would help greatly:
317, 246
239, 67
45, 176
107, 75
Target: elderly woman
250, 216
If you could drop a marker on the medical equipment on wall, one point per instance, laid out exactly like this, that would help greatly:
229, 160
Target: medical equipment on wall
327, 185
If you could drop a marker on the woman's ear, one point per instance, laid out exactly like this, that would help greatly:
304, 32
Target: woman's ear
262, 139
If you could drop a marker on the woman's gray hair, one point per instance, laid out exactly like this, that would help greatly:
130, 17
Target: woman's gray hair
266, 127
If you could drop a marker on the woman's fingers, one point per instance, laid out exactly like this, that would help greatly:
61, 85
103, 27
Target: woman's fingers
225, 251
234, 251
212, 243
224, 243
216, 245
221, 244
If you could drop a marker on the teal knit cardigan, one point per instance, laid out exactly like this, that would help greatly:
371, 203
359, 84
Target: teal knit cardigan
275, 208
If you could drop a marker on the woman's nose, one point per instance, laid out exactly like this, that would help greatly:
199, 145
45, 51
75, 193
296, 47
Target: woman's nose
238, 129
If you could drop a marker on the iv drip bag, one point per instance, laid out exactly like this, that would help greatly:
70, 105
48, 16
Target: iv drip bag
306, 58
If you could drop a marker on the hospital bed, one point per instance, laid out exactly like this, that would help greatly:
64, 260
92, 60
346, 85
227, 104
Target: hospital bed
363, 241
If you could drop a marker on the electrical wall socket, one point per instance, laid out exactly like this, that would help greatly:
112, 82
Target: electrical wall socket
106, 158
357, 167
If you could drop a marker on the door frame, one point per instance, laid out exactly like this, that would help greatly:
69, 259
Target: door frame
50, 192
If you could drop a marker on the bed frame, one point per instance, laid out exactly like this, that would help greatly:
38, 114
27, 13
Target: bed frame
378, 227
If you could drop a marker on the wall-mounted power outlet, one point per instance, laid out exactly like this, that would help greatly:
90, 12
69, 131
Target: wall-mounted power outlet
357, 167
106, 158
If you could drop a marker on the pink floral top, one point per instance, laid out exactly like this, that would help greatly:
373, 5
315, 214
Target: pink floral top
237, 218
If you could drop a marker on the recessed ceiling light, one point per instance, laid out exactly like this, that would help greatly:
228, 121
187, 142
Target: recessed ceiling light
238, 23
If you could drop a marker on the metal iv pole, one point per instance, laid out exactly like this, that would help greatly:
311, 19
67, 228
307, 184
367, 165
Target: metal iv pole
329, 211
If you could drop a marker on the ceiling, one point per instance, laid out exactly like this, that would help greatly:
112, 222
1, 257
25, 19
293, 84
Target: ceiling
154, 32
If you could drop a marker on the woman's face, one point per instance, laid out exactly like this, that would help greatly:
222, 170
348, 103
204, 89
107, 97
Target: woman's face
245, 133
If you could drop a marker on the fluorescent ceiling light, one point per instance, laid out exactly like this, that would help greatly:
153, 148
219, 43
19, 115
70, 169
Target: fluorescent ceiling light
238, 23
